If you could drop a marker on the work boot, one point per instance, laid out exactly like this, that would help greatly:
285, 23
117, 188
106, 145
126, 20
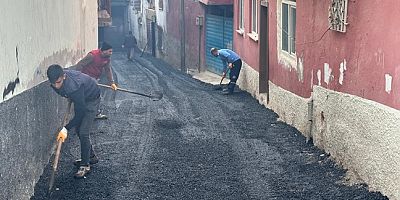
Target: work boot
101, 116
82, 171
226, 91
93, 160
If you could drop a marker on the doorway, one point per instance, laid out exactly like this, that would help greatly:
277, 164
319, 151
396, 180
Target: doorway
264, 51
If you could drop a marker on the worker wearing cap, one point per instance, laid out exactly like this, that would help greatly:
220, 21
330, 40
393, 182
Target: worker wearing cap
232, 61
84, 92
94, 63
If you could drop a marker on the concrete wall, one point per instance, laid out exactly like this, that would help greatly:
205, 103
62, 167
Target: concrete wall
33, 35
361, 135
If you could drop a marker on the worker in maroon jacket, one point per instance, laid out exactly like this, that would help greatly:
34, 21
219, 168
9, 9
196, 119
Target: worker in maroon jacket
94, 63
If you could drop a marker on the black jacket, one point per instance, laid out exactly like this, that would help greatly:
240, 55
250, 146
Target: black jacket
80, 89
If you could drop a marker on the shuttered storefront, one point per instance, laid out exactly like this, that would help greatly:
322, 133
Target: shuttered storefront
219, 34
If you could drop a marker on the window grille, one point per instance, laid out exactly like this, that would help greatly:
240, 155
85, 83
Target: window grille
338, 15
137, 5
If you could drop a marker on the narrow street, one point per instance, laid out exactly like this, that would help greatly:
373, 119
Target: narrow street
195, 143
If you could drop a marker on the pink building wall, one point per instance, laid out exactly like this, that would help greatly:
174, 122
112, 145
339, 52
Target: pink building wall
192, 10
368, 48
246, 47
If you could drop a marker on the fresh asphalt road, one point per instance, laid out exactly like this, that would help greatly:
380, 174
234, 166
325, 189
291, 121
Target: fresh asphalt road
193, 144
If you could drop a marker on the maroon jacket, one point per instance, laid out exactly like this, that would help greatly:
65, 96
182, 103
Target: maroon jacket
95, 68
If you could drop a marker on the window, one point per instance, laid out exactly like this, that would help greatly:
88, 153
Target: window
288, 23
161, 4
241, 17
254, 16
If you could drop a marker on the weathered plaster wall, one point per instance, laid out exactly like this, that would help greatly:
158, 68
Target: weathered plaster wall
361, 135
33, 35
43, 32
359, 62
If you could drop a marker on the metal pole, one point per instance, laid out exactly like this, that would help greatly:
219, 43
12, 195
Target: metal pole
199, 53
153, 38
182, 28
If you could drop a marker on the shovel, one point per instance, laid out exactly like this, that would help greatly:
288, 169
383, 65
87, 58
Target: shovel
58, 149
219, 87
155, 95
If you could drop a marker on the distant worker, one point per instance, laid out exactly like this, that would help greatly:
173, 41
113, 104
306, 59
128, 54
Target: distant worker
84, 92
130, 45
232, 61
93, 65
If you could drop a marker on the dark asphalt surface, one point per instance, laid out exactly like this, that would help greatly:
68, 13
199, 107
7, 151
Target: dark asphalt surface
193, 144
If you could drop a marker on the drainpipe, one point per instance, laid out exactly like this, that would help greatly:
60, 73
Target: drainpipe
182, 20
310, 108
199, 23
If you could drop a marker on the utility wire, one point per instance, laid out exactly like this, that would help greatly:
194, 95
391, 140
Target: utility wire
293, 38
322, 36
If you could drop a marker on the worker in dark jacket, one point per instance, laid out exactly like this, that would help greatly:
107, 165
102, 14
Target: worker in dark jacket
94, 63
130, 44
84, 93
232, 61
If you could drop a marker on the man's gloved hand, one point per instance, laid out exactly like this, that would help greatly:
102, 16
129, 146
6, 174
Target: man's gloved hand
62, 135
114, 86
230, 65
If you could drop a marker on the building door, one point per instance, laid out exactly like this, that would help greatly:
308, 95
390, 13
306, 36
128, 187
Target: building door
219, 34
264, 51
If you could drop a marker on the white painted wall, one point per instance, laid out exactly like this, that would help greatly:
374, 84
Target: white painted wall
161, 14
137, 22
44, 32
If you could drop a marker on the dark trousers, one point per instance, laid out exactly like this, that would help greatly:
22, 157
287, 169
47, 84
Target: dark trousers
83, 131
234, 74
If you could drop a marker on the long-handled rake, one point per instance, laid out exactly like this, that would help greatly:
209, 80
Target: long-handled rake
155, 95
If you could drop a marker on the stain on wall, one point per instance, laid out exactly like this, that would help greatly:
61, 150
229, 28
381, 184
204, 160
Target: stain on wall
10, 87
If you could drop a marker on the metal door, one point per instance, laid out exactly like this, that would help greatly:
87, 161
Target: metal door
219, 34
